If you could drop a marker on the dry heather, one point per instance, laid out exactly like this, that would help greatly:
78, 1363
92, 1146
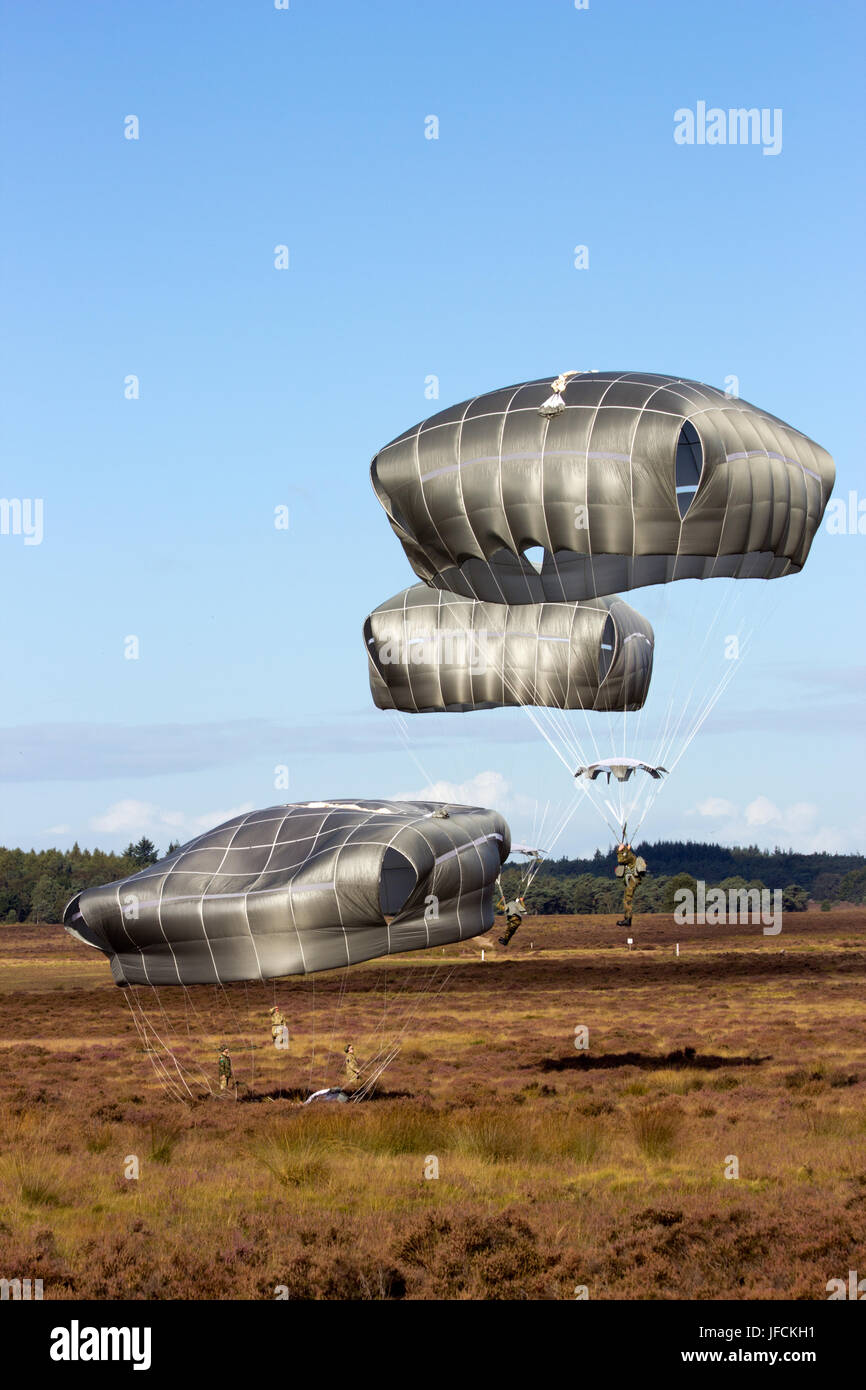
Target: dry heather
494, 1160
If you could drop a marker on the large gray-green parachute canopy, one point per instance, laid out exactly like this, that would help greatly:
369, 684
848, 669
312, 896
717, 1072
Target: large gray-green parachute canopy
620, 479
433, 651
299, 888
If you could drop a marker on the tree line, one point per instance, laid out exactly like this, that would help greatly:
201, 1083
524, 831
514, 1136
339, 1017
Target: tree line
36, 885
586, 886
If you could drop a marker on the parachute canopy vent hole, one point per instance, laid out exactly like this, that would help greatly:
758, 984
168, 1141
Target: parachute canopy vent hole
397, 884
690, 462
535, 555
606, 649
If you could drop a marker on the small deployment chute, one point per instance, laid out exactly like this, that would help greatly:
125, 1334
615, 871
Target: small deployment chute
620, 768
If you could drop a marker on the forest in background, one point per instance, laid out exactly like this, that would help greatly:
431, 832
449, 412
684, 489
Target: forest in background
588, 885
36, 885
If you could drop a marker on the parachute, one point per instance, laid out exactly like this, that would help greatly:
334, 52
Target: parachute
528, 507
636, 479
299, 888
432, 651
620, 768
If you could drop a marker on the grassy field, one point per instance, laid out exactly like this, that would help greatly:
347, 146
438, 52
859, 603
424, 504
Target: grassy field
559, 1168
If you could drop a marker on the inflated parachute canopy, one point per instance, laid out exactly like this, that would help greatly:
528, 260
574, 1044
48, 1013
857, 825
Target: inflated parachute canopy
634, 479
433, 651
299, 888
620, 768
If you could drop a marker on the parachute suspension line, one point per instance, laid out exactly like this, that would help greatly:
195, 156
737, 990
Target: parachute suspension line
697, 719
162, 1076
383, 1045
171, 1027
531, 713
755, 628
715, 695
239, 1029
597, 808
336, 1015
159, 1067
250, 1035
204, 1026
313, 1035
558, 726
558, 831
388, 1053
403, 730
724, 605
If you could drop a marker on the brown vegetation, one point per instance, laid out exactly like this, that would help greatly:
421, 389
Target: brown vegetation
557, 1167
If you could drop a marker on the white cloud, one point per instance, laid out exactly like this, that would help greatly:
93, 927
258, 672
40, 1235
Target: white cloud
58, 830
796, 819
797, 824
487, 788
762, 811
484, 789
146, 818
716, 806
212, 818
134, 815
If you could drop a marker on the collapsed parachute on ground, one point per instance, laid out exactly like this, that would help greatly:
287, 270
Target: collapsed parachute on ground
433, 651
298, 888
627, 479
620, 768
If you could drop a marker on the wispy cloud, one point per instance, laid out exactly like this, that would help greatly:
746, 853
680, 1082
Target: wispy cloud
488, 788
131, 817
763, 821
94, 752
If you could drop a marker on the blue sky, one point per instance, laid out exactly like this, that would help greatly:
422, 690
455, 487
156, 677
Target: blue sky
408, 257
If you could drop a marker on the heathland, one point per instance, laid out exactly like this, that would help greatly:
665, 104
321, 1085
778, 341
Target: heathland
567, 1115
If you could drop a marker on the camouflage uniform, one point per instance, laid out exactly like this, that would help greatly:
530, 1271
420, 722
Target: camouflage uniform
353, 1070
514, 911
626, 857
225, 1069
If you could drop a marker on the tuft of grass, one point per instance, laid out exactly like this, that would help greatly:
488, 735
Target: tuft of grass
163, 1142
97, 1140
830, 1124
677, 1082
576, 1137
656, 1129
401, 1130
37, 1182
292, 1162
490, 1137
725, 1082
